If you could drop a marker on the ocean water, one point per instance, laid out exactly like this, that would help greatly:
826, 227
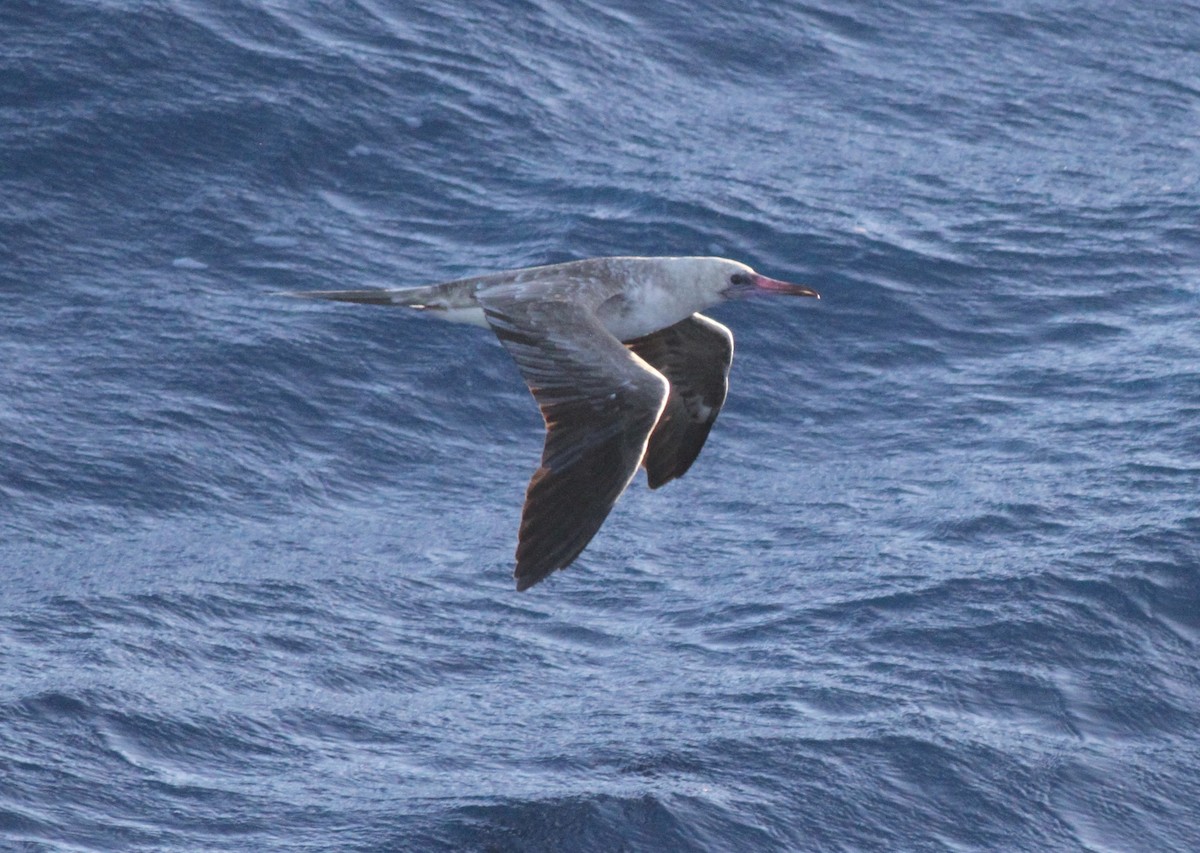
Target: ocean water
933, 584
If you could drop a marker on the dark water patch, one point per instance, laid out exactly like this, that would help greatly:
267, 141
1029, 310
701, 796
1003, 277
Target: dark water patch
591, 823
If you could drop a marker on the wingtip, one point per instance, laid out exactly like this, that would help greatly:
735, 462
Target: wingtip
530, 573
524, 582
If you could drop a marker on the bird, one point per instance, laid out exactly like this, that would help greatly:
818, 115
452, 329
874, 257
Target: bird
625, 370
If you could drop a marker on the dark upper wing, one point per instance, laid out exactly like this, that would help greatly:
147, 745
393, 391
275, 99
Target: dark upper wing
694, 355
600, 404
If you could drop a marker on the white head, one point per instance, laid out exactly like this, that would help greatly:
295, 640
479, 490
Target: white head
715, 279
653, 293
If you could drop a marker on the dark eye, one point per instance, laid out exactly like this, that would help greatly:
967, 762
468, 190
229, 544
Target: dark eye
739, 279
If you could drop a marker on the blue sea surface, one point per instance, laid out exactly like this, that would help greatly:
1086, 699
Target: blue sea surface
933, 584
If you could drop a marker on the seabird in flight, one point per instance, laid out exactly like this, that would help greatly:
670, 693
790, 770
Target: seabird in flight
625, 371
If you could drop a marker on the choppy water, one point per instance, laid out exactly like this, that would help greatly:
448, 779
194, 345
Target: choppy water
934, 583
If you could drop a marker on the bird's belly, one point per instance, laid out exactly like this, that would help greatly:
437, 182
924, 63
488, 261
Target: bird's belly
627, 330
626, 327
472, 315
622, 325
630, 314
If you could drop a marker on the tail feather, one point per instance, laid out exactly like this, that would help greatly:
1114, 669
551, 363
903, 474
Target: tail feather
367, 297
434, 296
